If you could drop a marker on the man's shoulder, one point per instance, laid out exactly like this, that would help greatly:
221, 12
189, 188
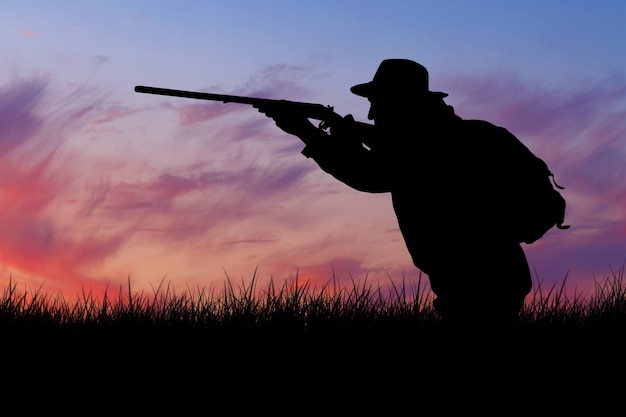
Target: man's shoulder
482, 125
487, 133
487, 138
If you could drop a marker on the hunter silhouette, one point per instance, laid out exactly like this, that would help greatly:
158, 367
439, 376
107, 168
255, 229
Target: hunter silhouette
442, 185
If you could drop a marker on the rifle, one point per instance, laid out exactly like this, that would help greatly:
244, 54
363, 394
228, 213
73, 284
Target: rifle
325, 114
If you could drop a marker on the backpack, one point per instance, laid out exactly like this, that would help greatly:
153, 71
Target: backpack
527, 198
540, 206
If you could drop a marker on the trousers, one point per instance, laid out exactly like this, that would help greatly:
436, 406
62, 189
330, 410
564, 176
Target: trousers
484, 282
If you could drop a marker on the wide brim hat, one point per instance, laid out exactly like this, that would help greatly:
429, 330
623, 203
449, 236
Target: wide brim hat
398, 77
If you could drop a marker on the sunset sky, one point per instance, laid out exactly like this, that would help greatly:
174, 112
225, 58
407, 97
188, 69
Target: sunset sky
99, 183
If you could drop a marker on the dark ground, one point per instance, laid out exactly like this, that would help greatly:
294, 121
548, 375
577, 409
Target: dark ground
344, 372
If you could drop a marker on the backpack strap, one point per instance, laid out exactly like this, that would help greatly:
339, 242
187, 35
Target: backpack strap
551, 175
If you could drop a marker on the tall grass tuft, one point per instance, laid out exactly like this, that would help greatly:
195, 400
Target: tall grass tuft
293, 308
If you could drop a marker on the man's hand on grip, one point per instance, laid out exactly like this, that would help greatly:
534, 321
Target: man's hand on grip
288, 119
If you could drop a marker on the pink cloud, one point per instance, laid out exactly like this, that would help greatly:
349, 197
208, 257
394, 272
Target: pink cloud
530, 109
29, 33
31, 183
108, 114
251, 240
201, 112
348, 273
342, 268
187, 206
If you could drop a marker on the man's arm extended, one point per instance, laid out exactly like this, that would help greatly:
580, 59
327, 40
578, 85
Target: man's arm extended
341, 152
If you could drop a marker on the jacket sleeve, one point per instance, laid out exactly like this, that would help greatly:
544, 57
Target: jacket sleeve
349, 161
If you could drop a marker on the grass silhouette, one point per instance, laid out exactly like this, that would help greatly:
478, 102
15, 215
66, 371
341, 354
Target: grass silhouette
363, 345
294, 308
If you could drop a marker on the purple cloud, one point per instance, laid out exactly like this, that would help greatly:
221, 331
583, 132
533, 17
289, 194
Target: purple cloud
18, 121
273, 82
531, 109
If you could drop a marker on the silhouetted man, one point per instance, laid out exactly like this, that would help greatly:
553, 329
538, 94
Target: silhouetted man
441, 184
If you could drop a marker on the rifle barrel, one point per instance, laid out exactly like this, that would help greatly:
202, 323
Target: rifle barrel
199, 95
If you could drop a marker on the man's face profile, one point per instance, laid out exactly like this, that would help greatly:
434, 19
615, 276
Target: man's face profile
387, 110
